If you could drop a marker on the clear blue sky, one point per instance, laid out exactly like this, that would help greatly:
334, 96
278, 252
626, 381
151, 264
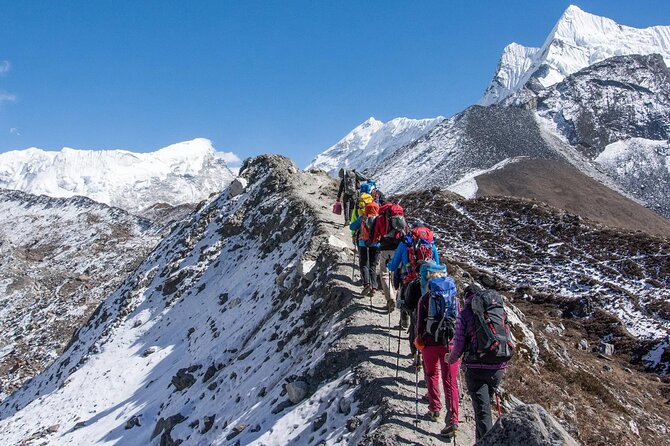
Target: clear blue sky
288, 77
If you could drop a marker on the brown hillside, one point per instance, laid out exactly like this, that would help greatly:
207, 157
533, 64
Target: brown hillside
562, 186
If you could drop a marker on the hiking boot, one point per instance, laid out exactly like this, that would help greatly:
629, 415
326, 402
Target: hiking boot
390, 306
449, 430
371, 292
433, 416
366, 290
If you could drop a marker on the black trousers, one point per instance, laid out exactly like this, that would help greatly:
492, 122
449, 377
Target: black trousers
482, 385
348, 203
368, 258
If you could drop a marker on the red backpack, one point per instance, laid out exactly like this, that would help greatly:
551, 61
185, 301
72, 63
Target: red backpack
385, 232
420, 251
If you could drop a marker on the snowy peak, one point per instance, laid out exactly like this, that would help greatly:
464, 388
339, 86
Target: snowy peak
372, 142
186, 172
579, 39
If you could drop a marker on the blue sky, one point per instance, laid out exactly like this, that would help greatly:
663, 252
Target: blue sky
289, 77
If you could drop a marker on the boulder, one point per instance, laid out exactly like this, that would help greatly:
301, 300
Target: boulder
297, 391
527, 425
237, 187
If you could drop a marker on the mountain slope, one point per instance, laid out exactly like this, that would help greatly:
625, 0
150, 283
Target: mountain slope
181, 173
59, 258
249, 302
579, 39
371, 143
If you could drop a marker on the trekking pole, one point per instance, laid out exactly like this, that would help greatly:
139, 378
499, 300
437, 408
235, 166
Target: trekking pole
397, 359
367, 266
416, 393
498, 403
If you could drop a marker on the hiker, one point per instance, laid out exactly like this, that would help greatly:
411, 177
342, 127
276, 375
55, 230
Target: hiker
349, 185
368, 252
415, 248
370, 187
389, 229
484, 366
436, 316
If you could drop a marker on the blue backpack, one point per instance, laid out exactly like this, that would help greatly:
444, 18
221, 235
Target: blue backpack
367, 187
442, 309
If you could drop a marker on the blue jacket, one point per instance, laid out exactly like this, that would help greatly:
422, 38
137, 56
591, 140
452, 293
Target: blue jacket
355, 226
401, 257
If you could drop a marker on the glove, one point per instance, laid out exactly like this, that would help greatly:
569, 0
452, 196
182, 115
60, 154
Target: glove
418, 343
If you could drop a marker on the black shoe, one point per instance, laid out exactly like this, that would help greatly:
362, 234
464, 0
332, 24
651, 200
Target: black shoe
449, 430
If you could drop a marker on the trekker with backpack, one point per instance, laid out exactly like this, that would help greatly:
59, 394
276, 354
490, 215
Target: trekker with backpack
389, 229
416, 247
483, 337
368, 252
437, 312
349, 184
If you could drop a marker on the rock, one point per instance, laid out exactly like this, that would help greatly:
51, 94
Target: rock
211, 370
237, 187
527, 425
297, 391
132, 422
344, 406
353, 423
208, 422
555, 329
633, 427
319, 422
583, 345
165, 425
488, 281
150, 351
183, 379
608, 368
53, 429
606, 349
306, 269
337, 243
237, 430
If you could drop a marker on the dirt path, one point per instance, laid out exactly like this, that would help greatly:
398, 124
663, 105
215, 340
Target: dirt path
366, 341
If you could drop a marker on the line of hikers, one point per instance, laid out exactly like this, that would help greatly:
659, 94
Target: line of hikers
441, 328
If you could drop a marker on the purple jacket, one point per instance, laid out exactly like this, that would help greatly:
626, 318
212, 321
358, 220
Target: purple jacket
464, 336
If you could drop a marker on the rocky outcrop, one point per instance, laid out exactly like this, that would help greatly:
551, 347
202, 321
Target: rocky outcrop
527, 425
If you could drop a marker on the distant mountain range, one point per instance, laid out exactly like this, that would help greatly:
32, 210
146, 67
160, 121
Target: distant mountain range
186, 172
594, 97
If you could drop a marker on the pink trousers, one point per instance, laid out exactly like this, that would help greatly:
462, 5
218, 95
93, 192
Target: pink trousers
434, 363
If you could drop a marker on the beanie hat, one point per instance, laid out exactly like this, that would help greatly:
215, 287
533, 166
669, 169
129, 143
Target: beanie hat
371, 209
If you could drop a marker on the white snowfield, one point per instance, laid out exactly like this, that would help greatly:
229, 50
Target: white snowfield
578, 40
187, 172
372, 142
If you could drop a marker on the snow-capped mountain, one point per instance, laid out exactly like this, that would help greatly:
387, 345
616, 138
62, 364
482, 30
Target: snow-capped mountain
59, 258
578, 40
186, 172
372, 142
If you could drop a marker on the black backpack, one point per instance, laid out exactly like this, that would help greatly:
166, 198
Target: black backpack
494, 339
350, 183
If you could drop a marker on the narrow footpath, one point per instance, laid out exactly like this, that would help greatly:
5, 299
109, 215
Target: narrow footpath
371, 343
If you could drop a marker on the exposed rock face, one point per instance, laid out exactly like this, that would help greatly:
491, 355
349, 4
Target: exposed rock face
527, 425
618, 98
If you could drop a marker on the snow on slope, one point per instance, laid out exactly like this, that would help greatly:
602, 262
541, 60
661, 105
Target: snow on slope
578, 40
371, 143
198, 344
59, 258
642, 165
186, 172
